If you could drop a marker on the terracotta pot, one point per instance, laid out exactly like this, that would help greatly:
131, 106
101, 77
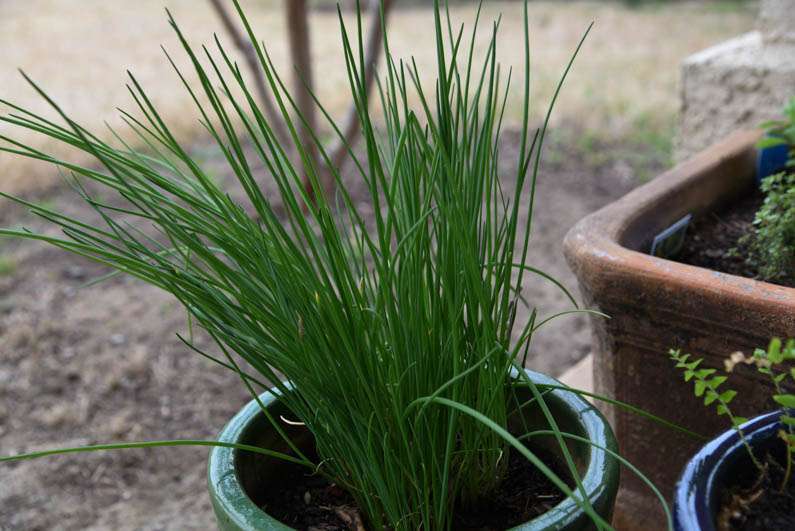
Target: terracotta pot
236, 477
656, 304
716, 467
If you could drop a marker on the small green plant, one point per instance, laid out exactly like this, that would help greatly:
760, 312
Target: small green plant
771, 363
771, 246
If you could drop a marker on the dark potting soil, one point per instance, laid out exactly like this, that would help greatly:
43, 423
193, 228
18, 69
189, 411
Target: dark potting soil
312, 503
715, 242
763, 506
524, 494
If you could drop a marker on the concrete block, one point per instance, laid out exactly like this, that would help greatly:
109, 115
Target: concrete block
739, 83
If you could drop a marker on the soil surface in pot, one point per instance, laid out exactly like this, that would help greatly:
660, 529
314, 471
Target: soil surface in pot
762, 506
312, 503
715, 242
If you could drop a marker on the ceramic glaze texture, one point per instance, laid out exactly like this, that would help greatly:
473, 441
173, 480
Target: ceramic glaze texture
655, 305
712, 469
232, 472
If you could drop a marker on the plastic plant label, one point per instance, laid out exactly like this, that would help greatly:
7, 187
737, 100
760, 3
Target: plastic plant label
668, 243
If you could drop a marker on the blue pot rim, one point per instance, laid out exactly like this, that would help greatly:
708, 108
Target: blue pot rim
600, 479
697, 492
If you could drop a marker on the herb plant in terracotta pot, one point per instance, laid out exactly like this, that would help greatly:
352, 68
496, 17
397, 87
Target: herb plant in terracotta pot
743, 478
712, 211
386, 388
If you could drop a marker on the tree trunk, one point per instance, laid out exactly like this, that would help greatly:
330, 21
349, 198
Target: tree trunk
297, 18
350, 129
303, 86
250, 55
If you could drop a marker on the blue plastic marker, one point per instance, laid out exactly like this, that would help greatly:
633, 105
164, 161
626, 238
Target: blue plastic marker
771, 160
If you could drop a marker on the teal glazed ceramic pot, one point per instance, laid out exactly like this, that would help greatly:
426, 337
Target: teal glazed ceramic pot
717, 466
235, 477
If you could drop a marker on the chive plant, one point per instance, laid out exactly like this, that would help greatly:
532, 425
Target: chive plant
389, 338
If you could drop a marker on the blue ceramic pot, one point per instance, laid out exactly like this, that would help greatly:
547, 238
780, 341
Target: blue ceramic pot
235, 477
715, 468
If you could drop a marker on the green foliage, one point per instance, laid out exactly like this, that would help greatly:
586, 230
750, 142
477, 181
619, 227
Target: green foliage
780, 131
773, 364
715, 5
394, 334
706, 383
771, 246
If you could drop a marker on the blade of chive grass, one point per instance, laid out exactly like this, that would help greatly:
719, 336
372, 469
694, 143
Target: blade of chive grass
618, 457
153, 444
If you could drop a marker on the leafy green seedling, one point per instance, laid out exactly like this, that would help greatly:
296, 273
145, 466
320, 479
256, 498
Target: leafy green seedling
770, 362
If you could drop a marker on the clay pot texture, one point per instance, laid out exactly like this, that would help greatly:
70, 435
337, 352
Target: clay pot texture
234, 476
657, 304
716, 467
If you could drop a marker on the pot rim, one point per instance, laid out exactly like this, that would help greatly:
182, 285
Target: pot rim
600, 479
697, 488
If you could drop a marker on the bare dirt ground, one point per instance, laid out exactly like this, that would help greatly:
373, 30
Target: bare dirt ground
103, 364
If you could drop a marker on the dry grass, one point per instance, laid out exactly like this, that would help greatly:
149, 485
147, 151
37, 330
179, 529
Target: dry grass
626, 77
